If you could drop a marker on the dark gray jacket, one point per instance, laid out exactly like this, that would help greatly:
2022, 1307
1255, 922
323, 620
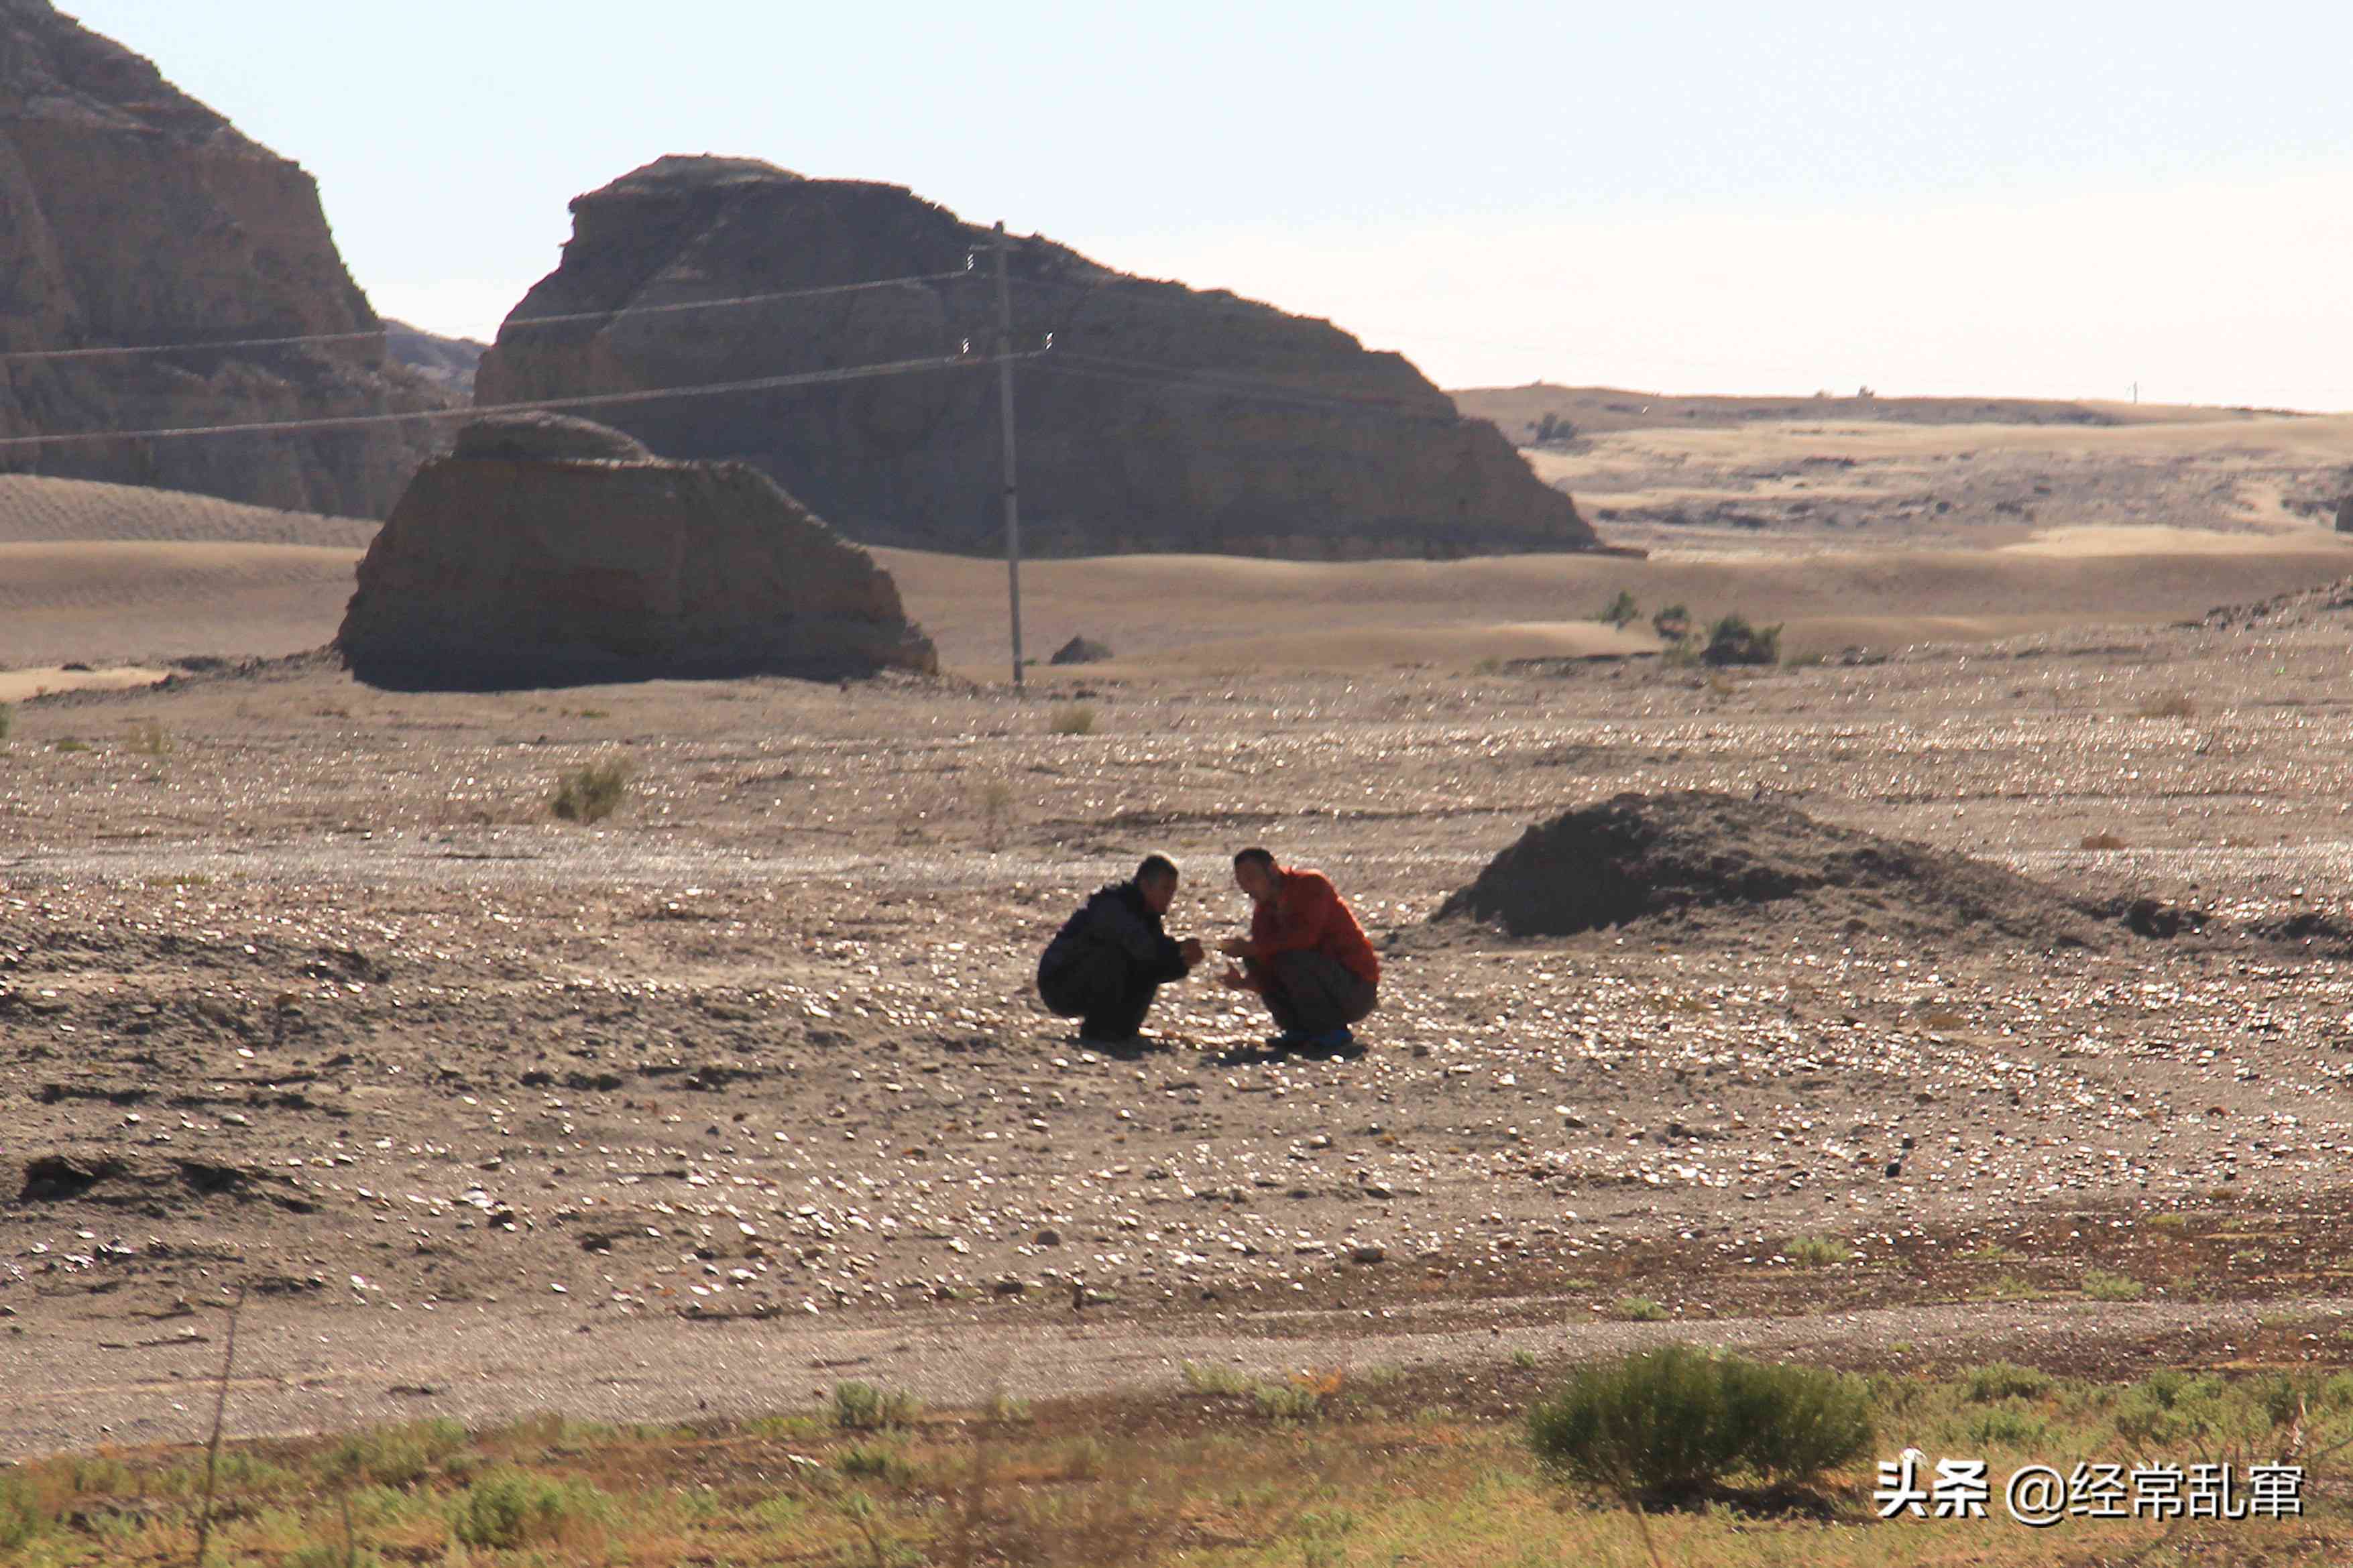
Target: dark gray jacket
1117, 917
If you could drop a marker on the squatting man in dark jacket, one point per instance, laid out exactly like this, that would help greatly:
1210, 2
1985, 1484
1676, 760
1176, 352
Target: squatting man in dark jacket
1109, 959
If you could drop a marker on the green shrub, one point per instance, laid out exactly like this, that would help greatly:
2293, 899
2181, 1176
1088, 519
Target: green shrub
2167, 1407
1203, 1377
2003, 1380
7, 720
1814, 1251
1071, 719
1733, 640
1638, 1309
591, 794
2007, 1428
1287, 1401
1672, 623
21, 1516
1622, 610
150, 739
863, 1407
509, 1509
1675, 1421
885, 1462
397, 1456
2101, 1285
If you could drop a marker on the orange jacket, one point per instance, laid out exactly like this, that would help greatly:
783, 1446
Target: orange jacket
1307, 914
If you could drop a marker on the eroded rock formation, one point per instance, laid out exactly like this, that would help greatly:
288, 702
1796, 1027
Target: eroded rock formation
131, 215
1162, 419
546, 551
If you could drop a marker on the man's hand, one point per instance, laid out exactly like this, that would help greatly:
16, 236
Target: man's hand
1233, 980
1235, 947
1191, 951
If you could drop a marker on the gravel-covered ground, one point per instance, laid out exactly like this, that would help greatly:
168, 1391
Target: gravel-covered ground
301, 988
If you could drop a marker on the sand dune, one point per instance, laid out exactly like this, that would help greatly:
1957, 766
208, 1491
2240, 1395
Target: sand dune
1223, 613
108, 601
35, 508
16, 685
206, 577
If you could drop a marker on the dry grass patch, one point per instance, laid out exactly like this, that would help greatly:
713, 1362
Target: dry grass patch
591, 793
2167, 705
1380, 1477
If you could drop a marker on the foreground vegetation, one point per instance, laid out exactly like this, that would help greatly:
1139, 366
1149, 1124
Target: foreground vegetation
1315, 1470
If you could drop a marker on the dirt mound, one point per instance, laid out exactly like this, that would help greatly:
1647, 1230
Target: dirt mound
154, 1186
1672, 856
2285, 610
553, 551
1081, 650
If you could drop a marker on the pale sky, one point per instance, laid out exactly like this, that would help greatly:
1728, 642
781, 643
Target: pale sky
2052, 199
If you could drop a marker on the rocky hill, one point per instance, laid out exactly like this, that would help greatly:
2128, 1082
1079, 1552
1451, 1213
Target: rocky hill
131, 215
545, 550
446, 362
1162, 419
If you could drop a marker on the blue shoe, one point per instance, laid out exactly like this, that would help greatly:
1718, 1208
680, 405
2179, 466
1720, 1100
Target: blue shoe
1332, 1040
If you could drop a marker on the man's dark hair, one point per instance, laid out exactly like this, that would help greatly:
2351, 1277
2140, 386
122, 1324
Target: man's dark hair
1154, 868
1255, 855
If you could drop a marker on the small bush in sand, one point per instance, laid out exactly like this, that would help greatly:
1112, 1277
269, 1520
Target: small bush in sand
2100, 1284
1815, 1251
1672, 624
2167, 705
2003, 1380
7, 720
1622, 610
1677, 1421
1638, 1309
1203, 1377
70, 743
509, 1509
863, 1407
591, 794
994, 799
1733, 640
150, 739
2103, 840
1071, 719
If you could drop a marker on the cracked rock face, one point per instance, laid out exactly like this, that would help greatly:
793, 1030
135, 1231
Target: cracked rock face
131, 215
549, 552
1162, 419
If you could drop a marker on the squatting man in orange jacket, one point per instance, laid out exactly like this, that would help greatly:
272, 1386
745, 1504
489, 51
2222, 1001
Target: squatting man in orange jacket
1306, 955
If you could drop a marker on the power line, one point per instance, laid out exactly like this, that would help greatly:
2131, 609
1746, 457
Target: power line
32, 355
650, 395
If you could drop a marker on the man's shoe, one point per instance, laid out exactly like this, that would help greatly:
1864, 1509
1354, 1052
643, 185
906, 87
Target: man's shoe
1332, 1042
1114, 1041
1289, 1040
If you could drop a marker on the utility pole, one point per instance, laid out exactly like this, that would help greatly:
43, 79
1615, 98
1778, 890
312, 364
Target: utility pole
1005, 421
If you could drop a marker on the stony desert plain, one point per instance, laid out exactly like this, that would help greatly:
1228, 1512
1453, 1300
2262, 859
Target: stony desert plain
744, 1090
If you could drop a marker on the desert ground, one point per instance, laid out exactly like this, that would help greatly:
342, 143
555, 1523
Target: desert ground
303, 991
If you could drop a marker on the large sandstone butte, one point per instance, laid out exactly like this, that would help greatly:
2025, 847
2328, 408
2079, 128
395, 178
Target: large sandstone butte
547, 551
131, 214
1162, 419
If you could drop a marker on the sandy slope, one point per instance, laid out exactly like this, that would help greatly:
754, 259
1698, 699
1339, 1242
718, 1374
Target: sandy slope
36, 508
108, 601
1217, 612
1833, 528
